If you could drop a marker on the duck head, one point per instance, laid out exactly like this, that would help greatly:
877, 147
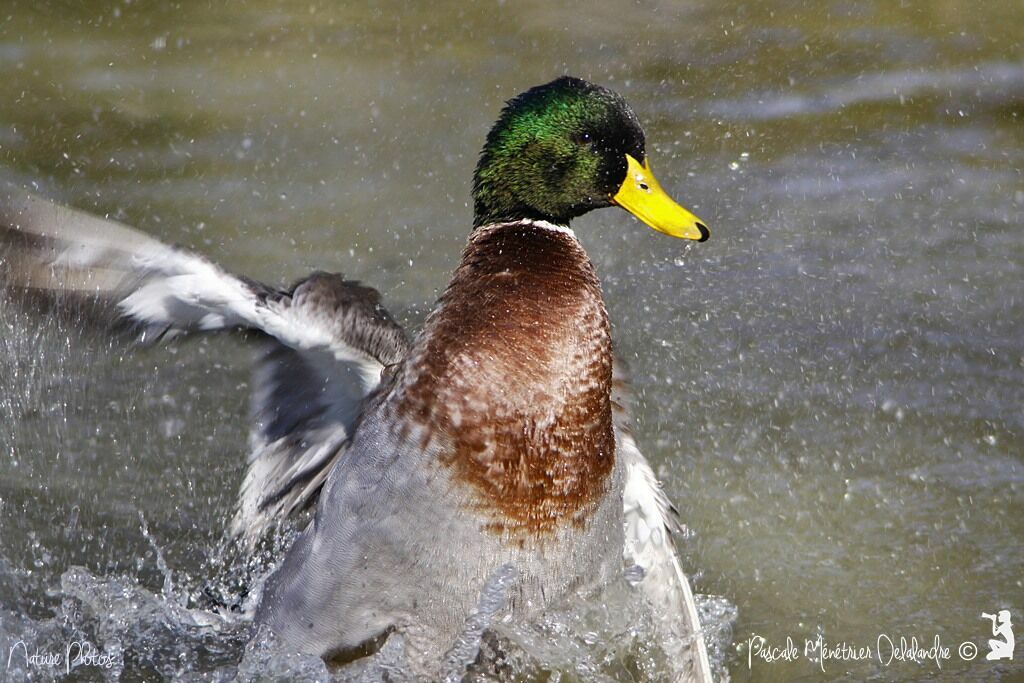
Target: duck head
565, 148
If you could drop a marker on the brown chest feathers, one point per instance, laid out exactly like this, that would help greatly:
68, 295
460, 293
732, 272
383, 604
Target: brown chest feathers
515, 368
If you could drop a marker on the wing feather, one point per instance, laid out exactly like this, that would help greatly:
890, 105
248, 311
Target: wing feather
326, 339
650, 524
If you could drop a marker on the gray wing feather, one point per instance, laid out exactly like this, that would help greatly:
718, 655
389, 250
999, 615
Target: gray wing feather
327, 339
306, 403
159, 290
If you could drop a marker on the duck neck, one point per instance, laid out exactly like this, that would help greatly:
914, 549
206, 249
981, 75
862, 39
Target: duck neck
515, 368
507, 213
497, 200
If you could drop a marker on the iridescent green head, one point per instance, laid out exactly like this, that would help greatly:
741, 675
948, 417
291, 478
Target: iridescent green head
567, 147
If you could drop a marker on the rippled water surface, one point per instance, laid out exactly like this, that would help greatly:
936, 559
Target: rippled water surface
831, 388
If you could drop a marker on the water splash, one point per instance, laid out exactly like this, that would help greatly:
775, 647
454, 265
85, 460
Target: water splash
493, 599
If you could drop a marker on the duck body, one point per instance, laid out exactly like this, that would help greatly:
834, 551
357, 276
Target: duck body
492, 445
499, 439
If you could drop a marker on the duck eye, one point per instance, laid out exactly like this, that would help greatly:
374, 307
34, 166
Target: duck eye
583, 138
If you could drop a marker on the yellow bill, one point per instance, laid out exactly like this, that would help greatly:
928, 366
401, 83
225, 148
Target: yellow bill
643, 197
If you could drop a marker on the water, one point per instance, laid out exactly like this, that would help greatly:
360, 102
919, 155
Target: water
831, 387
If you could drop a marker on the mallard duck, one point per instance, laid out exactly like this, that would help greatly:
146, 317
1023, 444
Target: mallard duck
499, 437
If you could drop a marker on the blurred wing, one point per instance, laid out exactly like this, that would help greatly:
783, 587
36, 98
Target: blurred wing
650, 522
329, 339
306, 400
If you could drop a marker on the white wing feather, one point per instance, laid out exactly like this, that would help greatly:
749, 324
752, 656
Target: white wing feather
649, 519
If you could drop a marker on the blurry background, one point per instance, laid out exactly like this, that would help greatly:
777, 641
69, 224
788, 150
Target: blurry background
831, 388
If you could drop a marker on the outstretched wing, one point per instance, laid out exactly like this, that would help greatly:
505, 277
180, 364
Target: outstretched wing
650, 523
327, 339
